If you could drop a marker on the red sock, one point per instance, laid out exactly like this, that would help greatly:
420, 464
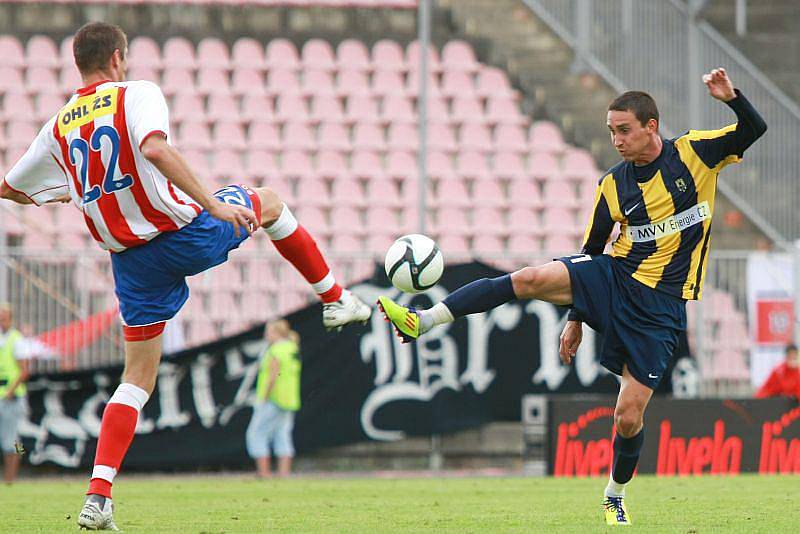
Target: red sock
296, 245
116, 433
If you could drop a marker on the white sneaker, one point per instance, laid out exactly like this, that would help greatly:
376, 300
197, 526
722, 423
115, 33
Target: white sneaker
348, 309
97, 514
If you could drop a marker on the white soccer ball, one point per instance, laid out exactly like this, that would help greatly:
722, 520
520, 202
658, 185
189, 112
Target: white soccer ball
414, 263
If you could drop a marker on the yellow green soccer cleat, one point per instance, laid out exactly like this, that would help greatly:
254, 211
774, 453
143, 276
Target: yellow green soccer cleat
405, 320
616, 513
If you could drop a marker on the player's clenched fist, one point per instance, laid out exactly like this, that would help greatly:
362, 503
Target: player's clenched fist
236, 215
719, 85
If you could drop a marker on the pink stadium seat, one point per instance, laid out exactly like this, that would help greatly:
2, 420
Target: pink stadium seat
363, 109
264, 135
559, 220
401, 165
261, 164
187, 107
403, 137
458, 56
213, 81
247, 81
139, 72
397, 109
194, 134
11, 80
11, 52
177, 80
298, 136
508, 166
142, 52
523, 244
441, 137
17, 105
291, 107
199, 160
560, 245
347, 192
282, 81
412, 83
248, 53
488, 244
457, 83
221, 305
379, 217
347, 218
40, 80
282, 54
492, 82
223, 108
543, 166
368, 136
331, 165
452, 193
226, 167
437, 110
387, 55
347, 243
318, 54
472, 166
379, 243
467, 109
297, 164
452, 220
413, 57
41, 51
47, 105
311, 191
559, 192
524, 193
475, 137
229, 135
333, 136
578, 165
488, 221
213, 53
353, 83
367, 166
388, 82
504, 110
488, 193
510, 138
546, 137
69, 78
454, 244
66, 56
19, 134
439, 165
318, 82
256, 108
351, 54
326, 108
179, 53
382, 194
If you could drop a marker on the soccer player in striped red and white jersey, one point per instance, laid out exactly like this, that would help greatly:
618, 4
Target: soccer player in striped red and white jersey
108, 151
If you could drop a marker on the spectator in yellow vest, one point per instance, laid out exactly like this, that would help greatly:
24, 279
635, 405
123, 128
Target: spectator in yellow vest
13, 375
277, 400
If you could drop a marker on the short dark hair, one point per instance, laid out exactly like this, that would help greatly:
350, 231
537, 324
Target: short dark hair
95, 43
791, 347
637, 102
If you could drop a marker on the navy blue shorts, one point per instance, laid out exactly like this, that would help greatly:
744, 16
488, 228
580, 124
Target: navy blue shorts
641, 326
150, 279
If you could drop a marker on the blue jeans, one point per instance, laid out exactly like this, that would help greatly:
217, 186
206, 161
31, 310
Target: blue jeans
270, 425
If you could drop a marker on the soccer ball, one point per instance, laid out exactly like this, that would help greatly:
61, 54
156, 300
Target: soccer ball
414, 263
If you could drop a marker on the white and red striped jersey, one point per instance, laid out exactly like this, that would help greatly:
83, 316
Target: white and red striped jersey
92, 148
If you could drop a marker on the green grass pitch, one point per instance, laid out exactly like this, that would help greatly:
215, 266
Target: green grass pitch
217, 504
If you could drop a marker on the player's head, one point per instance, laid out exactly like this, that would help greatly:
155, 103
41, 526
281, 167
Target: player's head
6, 316
101, 48
633, 122
279, 330
791, 355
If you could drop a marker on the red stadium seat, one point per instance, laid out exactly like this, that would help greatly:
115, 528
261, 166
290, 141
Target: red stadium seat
452, 193
226, 167
457, 83
489, 193
297, 164
437, 110
543, 166
17, 105
311, 191
439, 165
47, 105
351, 54
578, 165
71, 79
412, 83
401, 165
504, 110
11, 80
510, 138
248, 53
194, 134
40, 80
441, 137
19, 134
187, 107
490, 244
261, 164
347, 192
142, 52
524, 193
452, 220
508, 166
523, 244
347, 243
177, 80
383, 194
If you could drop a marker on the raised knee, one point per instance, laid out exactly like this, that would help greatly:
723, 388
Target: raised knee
627, 421
271, 206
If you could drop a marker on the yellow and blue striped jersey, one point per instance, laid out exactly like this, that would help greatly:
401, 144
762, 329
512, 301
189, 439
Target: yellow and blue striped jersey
664, 208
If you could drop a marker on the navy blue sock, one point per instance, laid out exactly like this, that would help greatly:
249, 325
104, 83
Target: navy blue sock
626, 456
480, 296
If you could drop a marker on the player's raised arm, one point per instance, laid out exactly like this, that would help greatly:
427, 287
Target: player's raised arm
718, 148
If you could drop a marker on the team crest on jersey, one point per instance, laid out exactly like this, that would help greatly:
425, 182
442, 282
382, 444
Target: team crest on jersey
680, 183
86, 109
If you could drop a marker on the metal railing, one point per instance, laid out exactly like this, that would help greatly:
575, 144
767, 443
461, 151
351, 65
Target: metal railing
663, 48
54, 289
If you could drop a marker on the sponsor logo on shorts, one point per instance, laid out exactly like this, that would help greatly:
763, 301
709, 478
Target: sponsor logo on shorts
671, 225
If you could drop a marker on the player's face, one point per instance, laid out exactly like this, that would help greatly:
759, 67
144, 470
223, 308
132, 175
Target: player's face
629, 136
5, 320
791, 358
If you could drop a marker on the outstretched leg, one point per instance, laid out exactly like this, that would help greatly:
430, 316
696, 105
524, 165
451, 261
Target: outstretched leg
296, 245
549, 282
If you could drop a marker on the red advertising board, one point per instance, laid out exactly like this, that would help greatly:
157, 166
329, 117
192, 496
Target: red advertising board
775, 321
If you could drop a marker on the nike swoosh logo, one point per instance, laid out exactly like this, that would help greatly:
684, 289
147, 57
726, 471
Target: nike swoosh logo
651, 375
629, 210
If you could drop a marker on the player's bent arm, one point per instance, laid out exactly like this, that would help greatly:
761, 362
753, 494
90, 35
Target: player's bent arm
8, 193
171, 164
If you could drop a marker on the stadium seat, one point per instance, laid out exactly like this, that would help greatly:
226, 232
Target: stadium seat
11, 80
177, 80
397, 109
488, 220
471, 165
257, 108
282, 81
488, 244
403, 137
387, 55
223, 108
454, 244
291, 107
69, 79
261, 164
187, 107
333, 136
143, 51
47, 105
523, 244
41, 51
381, 219
226, 167
353, 83
331, 165
383, 194
439, 165
229, 135
488, 193
298, 136
179, 53
457, 83
451, 193
492, 82
437, 110
263, 135
413, 81
508, 166
313, 217
41, 80
346, 218
326, 108
212, 53
524, 193
504, 110
17, 105
296, 164
282, 54
510, 138
351, 54
441, 137
401, 165
560, 245
546, 137
467, 109
368, 136
413, 57
475, 137
560, 192
19, 134
388, 82
247, 53
366, 165
458, 56
347, 192
318, 82
11, 52
579, 165
318, 54
247, 81
194, 134
543, 166
361, 109
213, 81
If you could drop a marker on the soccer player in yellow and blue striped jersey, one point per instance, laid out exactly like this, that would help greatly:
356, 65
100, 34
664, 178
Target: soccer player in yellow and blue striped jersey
662, 197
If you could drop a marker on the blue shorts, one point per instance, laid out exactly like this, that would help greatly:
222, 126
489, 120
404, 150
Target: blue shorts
270, 431
150, 279
641, 326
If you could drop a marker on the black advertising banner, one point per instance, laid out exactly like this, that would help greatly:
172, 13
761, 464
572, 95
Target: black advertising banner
360, 384
683, 437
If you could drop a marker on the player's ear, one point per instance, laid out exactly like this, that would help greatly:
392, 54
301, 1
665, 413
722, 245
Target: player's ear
652, 126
